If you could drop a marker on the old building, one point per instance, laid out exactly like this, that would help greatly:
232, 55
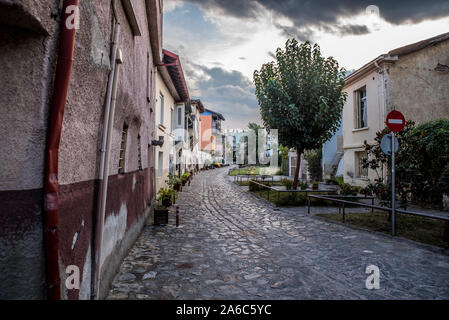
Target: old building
172, 96
76, 186
212, 138
413, 79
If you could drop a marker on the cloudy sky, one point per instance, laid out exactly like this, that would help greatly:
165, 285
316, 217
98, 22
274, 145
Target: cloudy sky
222, 42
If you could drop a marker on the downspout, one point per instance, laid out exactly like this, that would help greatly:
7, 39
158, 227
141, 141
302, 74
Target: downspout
51, 199
155, 70
102, 190
119, 61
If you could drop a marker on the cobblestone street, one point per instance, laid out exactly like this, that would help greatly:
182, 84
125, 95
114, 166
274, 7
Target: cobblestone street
233, 245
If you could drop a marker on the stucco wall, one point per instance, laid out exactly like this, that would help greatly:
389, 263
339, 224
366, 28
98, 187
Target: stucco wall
27, 54
27, 64
416, 89
353, 139
167, 148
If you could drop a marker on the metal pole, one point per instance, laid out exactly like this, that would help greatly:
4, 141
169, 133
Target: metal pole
278, 202
308, 204
393, 191
343, 217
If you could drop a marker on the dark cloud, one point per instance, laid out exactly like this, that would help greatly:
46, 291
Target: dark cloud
318, 13
228, 92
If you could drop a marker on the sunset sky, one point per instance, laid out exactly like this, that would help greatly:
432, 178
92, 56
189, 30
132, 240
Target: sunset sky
222, 42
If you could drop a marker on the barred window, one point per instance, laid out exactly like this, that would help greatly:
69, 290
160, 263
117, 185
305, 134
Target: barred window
361, 171
139, 152
121, 163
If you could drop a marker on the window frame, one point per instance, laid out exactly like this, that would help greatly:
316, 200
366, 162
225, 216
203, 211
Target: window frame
161, 108
359, 122
361, 173
122, 150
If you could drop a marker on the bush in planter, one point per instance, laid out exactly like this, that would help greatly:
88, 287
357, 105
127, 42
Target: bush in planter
303, 185
315, 185
185, 177
174, 182
166, 196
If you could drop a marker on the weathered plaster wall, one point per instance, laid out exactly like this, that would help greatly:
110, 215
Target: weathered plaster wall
353, 139
28, 39
82, 134
416, 89
167, 148
27, 63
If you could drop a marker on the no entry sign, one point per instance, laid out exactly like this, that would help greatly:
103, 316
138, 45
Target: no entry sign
395, 121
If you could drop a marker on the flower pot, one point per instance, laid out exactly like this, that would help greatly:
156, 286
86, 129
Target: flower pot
160, 215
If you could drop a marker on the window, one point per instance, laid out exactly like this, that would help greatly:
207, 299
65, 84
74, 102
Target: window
360, 171
121, 163
361, 108
139, 152
160, 163
161, 109
179, 116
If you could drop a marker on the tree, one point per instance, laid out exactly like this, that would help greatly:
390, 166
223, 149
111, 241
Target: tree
313, 158
244, 140
300, 95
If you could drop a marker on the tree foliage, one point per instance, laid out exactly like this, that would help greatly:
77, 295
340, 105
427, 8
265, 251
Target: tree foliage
421, 159
313, 158
300, 95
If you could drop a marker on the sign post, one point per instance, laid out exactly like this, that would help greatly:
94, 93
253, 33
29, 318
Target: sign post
395, 122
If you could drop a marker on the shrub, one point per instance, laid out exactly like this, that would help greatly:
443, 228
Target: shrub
313, 159
185, 177
287, 183
303, 185
421, 158
338, 180
443, 183
166, 196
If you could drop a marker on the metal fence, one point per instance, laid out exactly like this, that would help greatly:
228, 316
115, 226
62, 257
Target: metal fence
343, 203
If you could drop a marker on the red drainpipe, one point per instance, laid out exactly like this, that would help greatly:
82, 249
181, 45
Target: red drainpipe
51, 202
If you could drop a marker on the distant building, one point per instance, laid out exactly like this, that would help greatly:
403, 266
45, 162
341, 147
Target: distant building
212, 138
413, 79
172, 96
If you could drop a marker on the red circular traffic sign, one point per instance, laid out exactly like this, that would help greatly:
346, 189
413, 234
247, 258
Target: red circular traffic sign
395, 121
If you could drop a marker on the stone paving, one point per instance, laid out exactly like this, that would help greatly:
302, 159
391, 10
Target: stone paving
233, 245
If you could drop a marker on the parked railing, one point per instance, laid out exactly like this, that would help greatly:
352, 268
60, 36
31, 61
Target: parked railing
279, 191
341, 209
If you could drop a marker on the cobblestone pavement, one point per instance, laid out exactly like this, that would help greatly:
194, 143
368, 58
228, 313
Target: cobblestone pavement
233, 245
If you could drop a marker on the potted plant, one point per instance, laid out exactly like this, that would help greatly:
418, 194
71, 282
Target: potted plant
166, 197
315, 185
177, 183
184, 178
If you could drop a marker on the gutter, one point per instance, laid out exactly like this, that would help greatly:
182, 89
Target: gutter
107, 126
51, 185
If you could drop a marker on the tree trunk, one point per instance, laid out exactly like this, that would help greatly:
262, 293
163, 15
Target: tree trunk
298, 164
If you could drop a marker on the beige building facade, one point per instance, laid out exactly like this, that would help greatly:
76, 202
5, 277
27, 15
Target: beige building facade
413, 80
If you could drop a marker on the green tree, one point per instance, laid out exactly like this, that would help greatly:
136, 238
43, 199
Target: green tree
300, 95
313, 158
